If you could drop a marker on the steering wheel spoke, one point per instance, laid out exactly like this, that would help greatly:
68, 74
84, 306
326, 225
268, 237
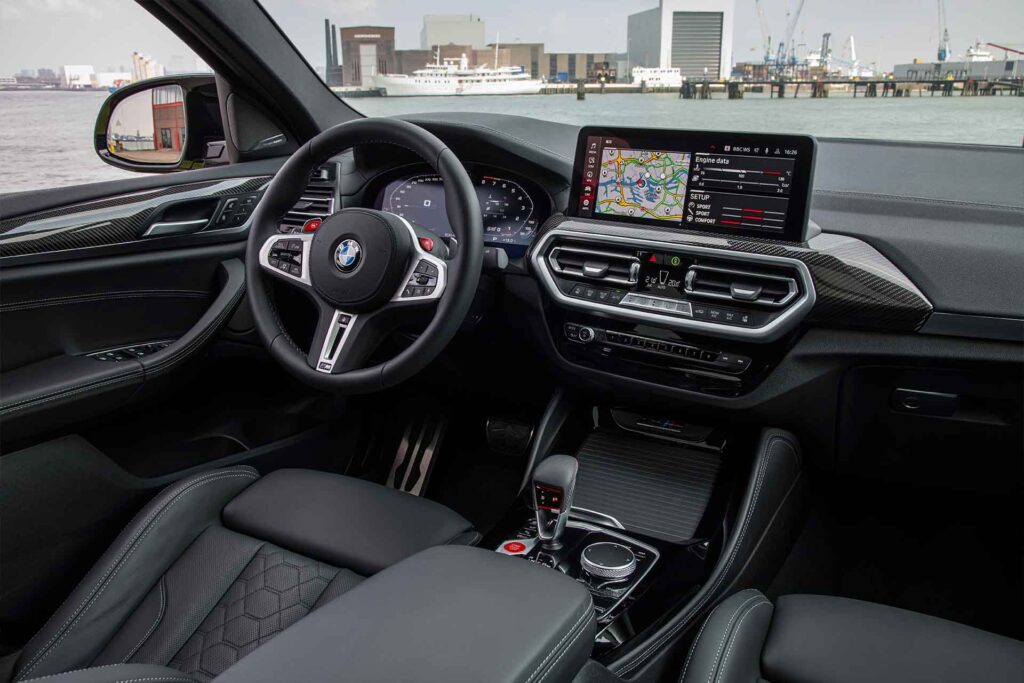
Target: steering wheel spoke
286, 257
427, 276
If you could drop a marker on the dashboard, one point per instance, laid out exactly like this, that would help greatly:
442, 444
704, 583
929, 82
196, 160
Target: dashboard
513, 208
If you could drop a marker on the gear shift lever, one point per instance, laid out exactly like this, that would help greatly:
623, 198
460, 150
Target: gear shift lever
553, 482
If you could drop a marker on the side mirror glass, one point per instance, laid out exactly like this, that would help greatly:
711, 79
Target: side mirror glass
149, 126
162, 124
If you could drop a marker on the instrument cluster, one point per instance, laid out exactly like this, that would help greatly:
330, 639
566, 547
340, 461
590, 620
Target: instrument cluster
513, 209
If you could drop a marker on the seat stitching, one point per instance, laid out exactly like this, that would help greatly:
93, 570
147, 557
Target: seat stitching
120, 562
588, 610
70, 391
732, 639
750, 513
101, 296
181, 486
566, 649
167, 678
696, 641
72, 671
728, 634
159, 618
124, 554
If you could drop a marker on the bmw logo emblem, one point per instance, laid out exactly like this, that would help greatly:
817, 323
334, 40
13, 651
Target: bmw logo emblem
347, 255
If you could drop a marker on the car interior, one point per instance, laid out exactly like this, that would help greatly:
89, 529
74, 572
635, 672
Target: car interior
347, 398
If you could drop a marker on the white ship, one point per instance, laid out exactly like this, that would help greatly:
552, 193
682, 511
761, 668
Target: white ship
978, 53
455, 77
655, 77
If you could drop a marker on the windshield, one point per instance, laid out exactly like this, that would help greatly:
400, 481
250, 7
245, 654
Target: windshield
946, 71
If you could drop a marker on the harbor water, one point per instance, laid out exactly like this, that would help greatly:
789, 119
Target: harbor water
46, 136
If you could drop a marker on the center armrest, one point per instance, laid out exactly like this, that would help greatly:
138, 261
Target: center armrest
448, 613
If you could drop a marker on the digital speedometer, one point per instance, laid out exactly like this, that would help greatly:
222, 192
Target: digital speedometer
507, 209
420, 200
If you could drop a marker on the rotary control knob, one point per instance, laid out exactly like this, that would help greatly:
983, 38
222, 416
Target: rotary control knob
607, 560
586, 334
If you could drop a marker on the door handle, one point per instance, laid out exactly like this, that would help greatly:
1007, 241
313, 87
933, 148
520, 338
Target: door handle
165, 228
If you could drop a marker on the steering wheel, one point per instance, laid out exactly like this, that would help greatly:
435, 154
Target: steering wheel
367, 271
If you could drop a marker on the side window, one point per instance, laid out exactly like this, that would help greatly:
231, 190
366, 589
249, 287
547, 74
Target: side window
59, 64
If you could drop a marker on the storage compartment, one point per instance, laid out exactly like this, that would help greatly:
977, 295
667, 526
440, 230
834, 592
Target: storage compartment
956, 428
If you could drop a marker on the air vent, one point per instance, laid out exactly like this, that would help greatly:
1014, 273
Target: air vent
600, 265
317, 200
740, 285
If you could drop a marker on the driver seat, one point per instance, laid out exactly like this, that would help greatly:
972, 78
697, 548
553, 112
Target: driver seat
222, 561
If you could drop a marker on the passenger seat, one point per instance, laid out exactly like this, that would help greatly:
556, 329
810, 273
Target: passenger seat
815, 638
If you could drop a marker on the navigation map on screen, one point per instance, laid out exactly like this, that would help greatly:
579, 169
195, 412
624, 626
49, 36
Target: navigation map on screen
642, 183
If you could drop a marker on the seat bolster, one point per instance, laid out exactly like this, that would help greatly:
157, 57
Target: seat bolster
343, 521
728, 646
119, 673
817, 637
126, 572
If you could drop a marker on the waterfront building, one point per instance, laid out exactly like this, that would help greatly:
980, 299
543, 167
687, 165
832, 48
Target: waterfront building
978, 70
366, 51
145, 66
694, 36
76, 76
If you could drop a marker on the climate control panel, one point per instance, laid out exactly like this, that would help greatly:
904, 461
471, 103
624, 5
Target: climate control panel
712, 292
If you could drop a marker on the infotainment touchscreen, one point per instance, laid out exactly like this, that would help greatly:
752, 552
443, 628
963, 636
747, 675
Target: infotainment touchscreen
735, 183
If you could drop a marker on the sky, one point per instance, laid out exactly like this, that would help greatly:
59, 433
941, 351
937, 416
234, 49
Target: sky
104, 33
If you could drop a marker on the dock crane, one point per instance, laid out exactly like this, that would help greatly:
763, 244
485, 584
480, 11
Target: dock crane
766, 38
1006, 50
787, 56
944, 31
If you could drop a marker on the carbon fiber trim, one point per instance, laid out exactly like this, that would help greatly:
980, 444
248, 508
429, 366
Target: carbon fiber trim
114, 220
856, 286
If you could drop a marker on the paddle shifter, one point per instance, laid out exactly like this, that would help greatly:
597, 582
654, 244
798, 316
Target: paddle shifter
553, 484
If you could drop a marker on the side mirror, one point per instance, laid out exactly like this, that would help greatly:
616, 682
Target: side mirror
163, 124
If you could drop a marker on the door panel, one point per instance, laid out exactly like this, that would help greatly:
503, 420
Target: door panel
93, 306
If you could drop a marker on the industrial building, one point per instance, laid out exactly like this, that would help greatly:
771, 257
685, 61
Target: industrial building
530, 56
366, 51
978, 70
455, 29
592, 67
694, 36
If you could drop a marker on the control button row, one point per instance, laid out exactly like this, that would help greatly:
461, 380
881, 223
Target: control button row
727, 361
727, 316
286, 256
423, 280
236, 211
657, 304
129, 352
608, 295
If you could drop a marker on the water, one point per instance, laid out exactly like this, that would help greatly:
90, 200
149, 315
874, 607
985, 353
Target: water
46, 136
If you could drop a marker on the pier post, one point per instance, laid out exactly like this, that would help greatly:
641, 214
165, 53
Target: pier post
581, 90
735, 91
782, 88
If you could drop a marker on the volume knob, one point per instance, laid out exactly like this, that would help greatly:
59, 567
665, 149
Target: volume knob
607, 560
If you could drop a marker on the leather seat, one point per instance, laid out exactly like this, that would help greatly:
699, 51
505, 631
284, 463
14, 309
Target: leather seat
221, 562
814, 638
